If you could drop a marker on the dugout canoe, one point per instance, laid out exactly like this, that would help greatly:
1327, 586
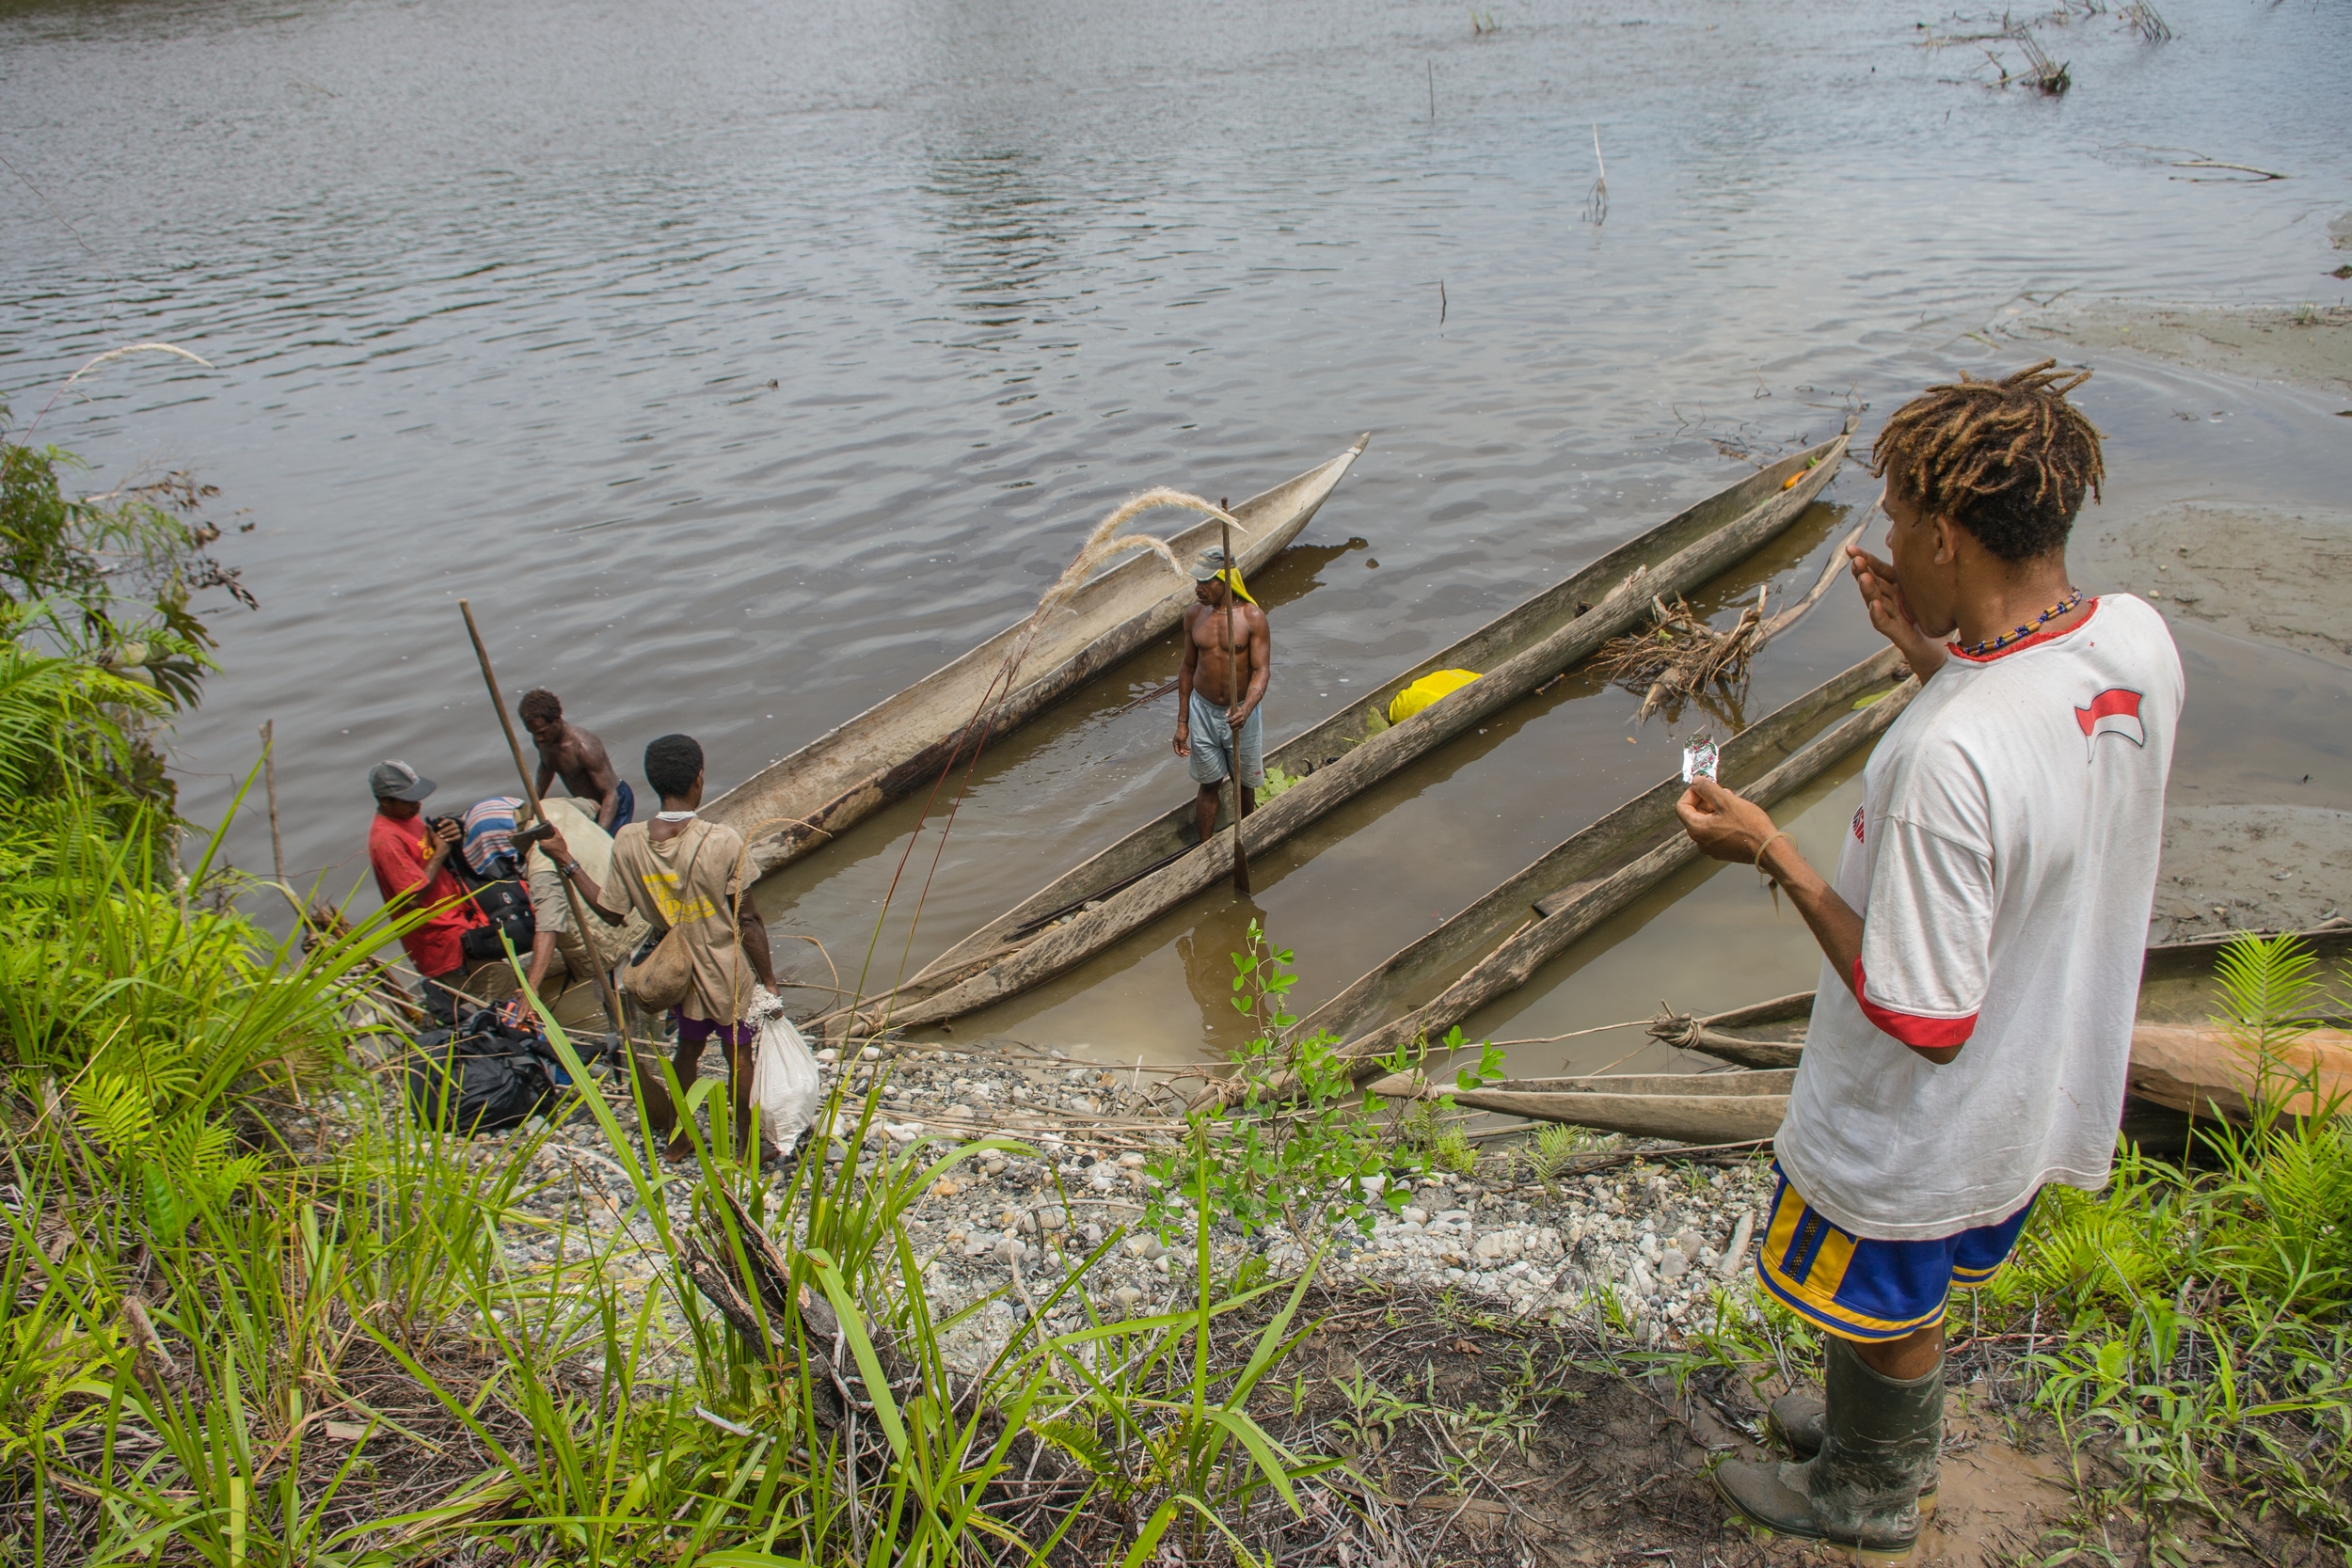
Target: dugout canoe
1156, 868
2175, 1064
2179, 1060
1497, 943
793, 806
1691, 1108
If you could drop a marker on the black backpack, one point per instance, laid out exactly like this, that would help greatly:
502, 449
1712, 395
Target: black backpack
483, 1079
508, 906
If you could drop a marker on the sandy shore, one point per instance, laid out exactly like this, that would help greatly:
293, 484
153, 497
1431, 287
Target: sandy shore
2251, 868
2310, 345
2271, 577
2276, 576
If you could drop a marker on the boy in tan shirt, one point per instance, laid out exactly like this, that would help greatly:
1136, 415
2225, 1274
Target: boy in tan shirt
681, 872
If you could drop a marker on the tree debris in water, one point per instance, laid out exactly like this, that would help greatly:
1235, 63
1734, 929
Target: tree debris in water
2045, 76
2141, 18
1596, 201
1680, 655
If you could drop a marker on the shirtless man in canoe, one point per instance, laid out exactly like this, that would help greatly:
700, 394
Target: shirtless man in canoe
1229, 653
580, 756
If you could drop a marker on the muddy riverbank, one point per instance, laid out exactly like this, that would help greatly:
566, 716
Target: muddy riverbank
2307, 344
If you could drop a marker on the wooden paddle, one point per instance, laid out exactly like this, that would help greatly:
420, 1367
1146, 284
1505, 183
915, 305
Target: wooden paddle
1233, 732
531, 793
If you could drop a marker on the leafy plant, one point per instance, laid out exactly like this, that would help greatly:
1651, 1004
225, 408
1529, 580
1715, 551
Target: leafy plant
107, 578
1276, 780
2203, 1318
1163, 1418
1432, 1125
1552, 1149
1298, 1141
97, 597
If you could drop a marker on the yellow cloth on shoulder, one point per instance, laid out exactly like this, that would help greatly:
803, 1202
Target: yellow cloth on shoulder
1426, 691
1233, 579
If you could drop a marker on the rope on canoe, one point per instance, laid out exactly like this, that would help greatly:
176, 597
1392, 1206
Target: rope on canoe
1574, 1034
1676, 1031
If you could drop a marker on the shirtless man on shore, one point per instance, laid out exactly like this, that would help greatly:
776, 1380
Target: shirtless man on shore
1215, 700
575, 753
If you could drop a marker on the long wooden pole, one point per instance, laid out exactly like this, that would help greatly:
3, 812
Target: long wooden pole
531, 793
269, 784
1233, 731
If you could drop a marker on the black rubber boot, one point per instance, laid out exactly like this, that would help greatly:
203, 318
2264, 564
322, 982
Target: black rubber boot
1879, 1447
1802, 1418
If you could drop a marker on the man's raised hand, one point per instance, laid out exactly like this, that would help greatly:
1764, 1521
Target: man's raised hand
1723, 826
1883, 598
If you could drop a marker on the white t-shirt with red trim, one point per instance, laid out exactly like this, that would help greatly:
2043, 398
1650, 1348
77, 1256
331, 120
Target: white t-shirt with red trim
2004, 859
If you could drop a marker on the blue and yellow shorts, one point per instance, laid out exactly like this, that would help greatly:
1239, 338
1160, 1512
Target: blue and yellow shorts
1859, 1289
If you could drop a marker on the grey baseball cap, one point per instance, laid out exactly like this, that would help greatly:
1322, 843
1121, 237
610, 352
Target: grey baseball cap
397, 781
1208, 563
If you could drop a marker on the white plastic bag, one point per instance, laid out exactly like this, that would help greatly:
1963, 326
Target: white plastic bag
784, 1075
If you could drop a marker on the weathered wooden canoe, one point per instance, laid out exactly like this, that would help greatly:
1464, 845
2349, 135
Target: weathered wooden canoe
1497, 943
792, 806
1697, 1108
2206, 1072
1159, 865
2178, 1066
2183, 1066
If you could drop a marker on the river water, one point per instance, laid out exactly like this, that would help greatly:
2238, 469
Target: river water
742, 363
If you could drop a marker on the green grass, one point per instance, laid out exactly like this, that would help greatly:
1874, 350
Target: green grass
365, 1288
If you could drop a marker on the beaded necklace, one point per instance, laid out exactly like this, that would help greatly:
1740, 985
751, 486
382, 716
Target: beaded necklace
1995, 645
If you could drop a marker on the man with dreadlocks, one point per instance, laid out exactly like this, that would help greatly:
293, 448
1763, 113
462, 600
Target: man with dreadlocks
1983, 935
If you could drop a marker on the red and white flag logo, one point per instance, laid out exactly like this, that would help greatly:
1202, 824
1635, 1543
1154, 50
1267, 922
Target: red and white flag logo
2114, 711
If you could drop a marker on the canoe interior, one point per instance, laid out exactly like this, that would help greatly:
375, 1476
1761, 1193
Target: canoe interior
2177, 985
1170, 835
886, 750
1722, 1106
1418, 972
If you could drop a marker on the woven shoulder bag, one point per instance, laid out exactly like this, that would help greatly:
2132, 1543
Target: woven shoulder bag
659, 980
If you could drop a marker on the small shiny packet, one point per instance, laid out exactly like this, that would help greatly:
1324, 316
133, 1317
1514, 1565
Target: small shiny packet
1698, 760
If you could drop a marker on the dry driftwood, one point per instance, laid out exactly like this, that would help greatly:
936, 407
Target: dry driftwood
1678, 655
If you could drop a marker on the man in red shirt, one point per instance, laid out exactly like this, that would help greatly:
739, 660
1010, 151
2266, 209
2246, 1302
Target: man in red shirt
412, 871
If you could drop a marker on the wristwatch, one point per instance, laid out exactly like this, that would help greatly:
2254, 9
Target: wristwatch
566, 868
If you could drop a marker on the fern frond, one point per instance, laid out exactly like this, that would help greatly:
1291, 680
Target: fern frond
2269, 987
116, 1110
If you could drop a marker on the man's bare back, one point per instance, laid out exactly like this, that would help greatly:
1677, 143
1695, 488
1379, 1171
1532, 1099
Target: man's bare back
580, 758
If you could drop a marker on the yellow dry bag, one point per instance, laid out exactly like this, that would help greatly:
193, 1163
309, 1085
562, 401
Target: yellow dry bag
1426, 691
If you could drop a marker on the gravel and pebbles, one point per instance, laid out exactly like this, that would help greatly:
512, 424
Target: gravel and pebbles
1662, 1238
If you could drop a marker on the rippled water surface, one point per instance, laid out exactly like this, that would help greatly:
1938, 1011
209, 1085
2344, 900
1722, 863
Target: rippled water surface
741, 363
